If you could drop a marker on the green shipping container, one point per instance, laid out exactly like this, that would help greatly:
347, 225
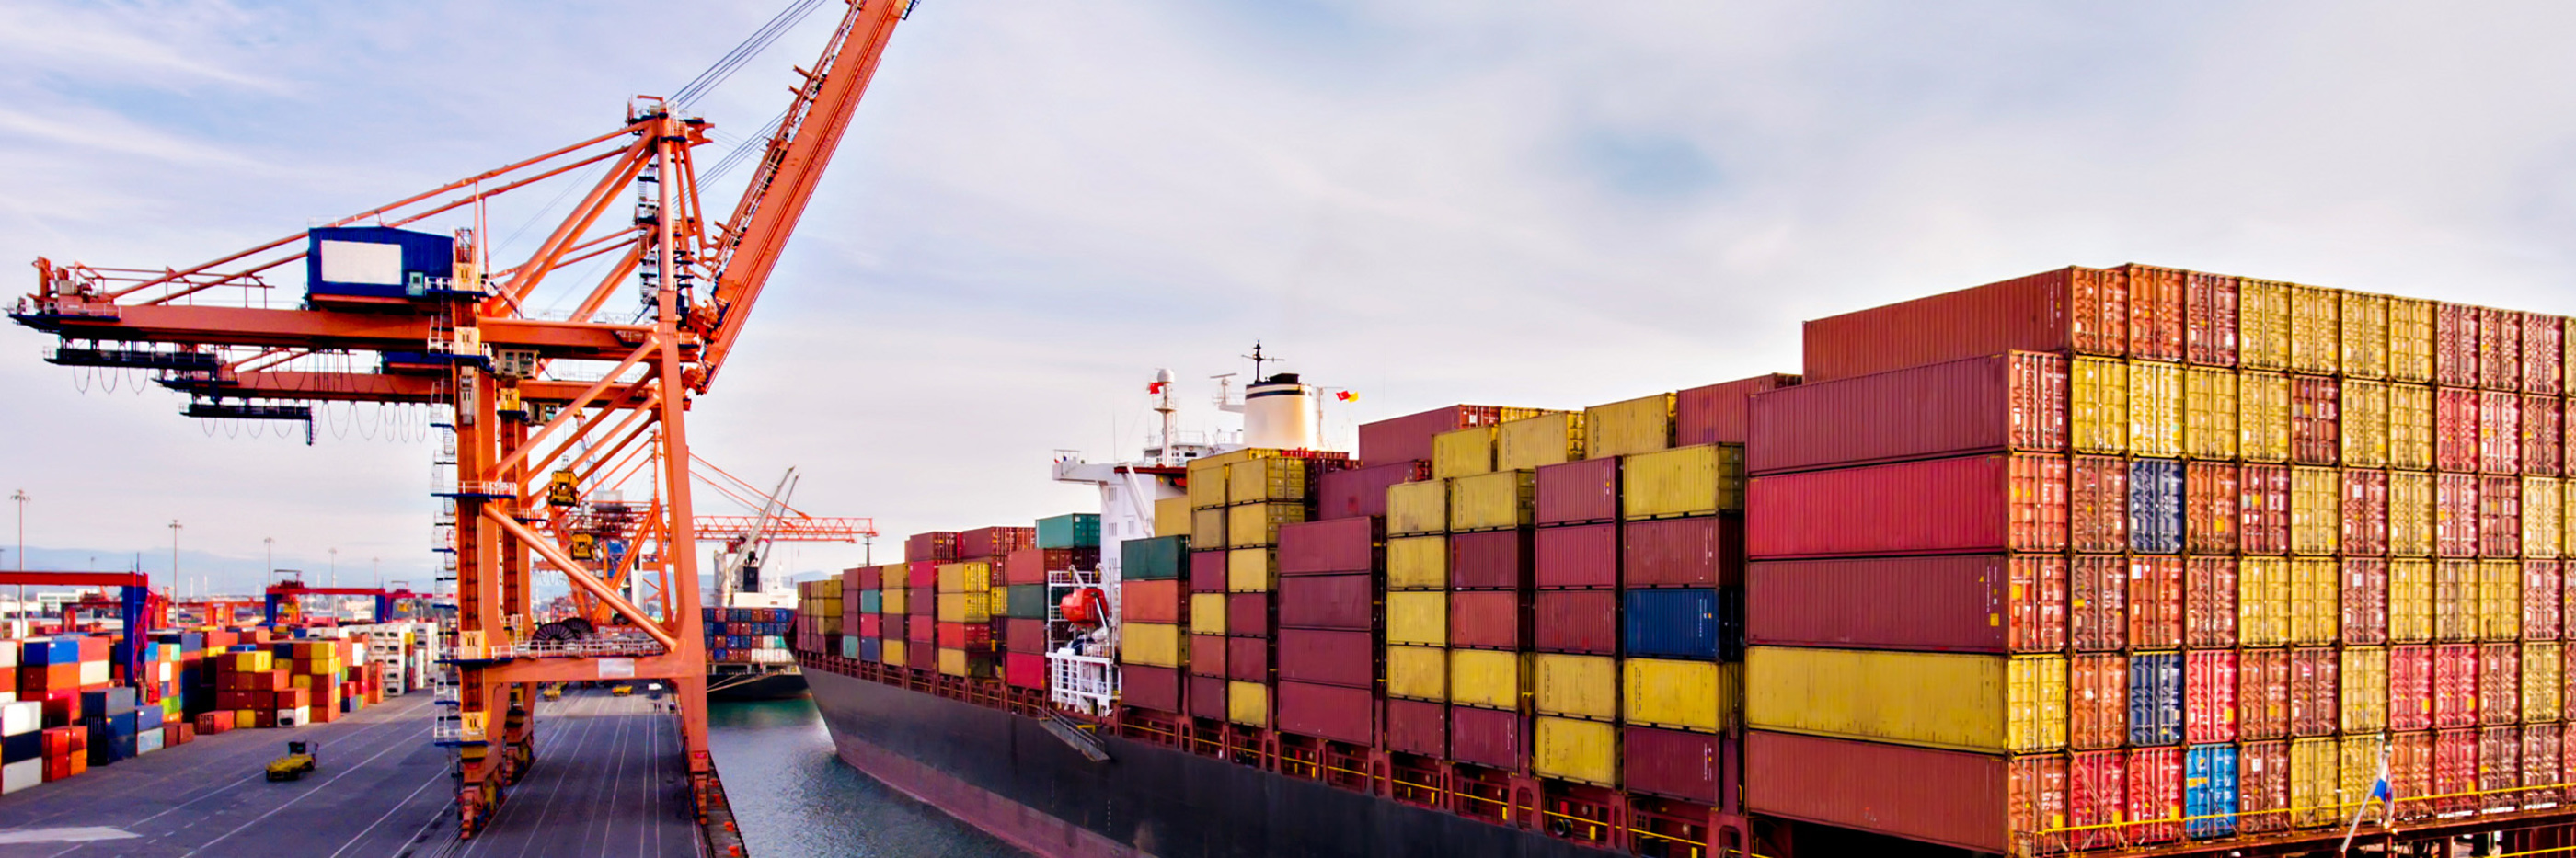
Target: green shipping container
871, 601
1026, 602
1160, 558
850, 646
1071, 530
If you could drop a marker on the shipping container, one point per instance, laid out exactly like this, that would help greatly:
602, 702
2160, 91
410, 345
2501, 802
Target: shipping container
1330, 546
1333, 712
1704, 696
1628, 427
1576, 686
1256, 525
1417, 508
2155, 796
1417, 727
2209, 792
2097, 803
1575, 750
2078, 310
2098, 406
2499, 349
1251, 570
2210, 410
1488, 679
1417, 672
2499, 432
2209, 696
2097, 499
2263, 417
1347, 602
2156, 410
1418, 618
2544, 356
2410, 427
2543, 600
2097, 599
2263, 787
1980, 802
2314, 709
2499, 767
1982, 503
2209, 601
2544, 438
1247, 660
2159, 304
2455, 771
2410, 340
2456, 426
1576, 621
1267, 480
1577, 492
2362, 680
2263, 325
2210, 496
1705, 551
2263, 602
1677, 764
2364, 601
2097, 700
2155, 602
2364, 516
2499, 683
1417, 562
2156, 506
1671, 623
1720, 413
2499, 516
1360, 492
1578, 556
1490, 560
2412, 511
2543, 517
1207, 613
1490, 501
1943, 700
2015, 401
2155, 699
1408, 438
1153, 645
2364, 335
1947, 603
2315, 420
1247, 703
2316, 773
1247, 615
2543, 765
2209, 327
1534, 442
1342, 658
1683, 481
2315, 330
1462, 452
2364, 423
2543, 687
1488, 619
2455, 498
2410, 600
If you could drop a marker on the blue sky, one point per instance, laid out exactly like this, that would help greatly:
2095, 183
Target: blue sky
1428, 202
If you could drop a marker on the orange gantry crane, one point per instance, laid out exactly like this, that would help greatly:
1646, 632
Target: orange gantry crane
447, 326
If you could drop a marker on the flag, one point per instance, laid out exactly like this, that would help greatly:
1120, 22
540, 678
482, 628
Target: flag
1156, 386
2381, 793
1346, 395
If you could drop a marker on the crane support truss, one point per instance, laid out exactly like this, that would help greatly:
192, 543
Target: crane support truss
470, 345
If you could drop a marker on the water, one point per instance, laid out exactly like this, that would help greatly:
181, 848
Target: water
794, 799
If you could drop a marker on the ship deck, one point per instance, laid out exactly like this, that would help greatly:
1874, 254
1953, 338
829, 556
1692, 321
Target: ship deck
382, 790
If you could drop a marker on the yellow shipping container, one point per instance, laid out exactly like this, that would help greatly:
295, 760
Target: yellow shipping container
965, 607
1251, 570
2364, 335
891, 652
2358, 757
2410, 514
2263, 324
2410, 427
2315, 775
1417, 507
1172, 516
2315, 334
2363, 683
1494, 679
2542, 682
1417, 562
897, 600
1576, 686
2410, 600
1417, 617
1958, 701
1704, 479
1641, 425
2499, 600
1680, 694
2098, 390
952, 662
895, 576
1462, 453
965, 577
2364, 423
2209, 412
2263, 601
1490, 501
2156, 409
1153, 645
2455, 600
2410, 340
1417, 672
1207, 527
1568, 749
1266, 480
1247, 703
1534, 442
2316, 510
2315, 604
1254, 525
1207, 613
1207, 482
2542, 507
2263, 417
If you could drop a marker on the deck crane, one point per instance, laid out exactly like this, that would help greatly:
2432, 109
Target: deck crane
742, 555
450, 326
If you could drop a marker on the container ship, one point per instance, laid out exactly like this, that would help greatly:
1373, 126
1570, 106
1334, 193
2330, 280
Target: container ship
2121, 561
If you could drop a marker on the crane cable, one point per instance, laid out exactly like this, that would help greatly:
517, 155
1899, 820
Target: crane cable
742, 54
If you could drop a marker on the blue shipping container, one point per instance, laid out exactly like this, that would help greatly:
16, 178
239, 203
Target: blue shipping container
1678, 623
376, 261
2155, 699
871, 649
2155, 506
1071, 530
2209, 791
44, 651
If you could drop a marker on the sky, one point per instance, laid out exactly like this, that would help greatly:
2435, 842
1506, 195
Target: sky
1038, 205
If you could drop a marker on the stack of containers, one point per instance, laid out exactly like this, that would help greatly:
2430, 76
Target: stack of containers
894, 605
862, 600
1152, 655
1329, 635
1485, 605
1065, 544
55, 670
923, 553
759, 635
966, 599
829, 614
1680, 490
1416, 613
22, 740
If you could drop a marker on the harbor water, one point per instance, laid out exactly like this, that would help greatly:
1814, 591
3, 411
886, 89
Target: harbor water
794, 799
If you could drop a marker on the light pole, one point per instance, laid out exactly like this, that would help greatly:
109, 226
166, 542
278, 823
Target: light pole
334, 580
174, 551
271, 542
21, 497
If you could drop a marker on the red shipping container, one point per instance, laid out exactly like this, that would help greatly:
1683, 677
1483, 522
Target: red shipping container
2499, 432
1328, 657
1576, 621
1675, 764
1247, 659
1149, 601
2097, 501
939, 546
1330, 546
1585, 555
2263, 787
2455, 528
2455, 685
1978, 504
2209, 326
2543, 603
2097, 598
2210, 495
1970, 801
1998, 403
2365, 601
2313, 704
924, 600
1702, 551
2097, 799
1488, 619
2499, 517
1362, 491
1491, 560
2499, 683
1332, 712
2540, 763
2365, 512
2155, 795
2209, 696
2455, 770
1155, 688
2315, 404
1025, 636
2079, 310
2499, 349
1247, 615
873, 626
922, 630
896, 626
1408, 438
994, 542
2544, 340
2263, 694
2499, 767
1718, 413
1207, 696
2455, 345
1576, 492
2544, 435
1417, 727
2209, 601
2456, 423
2155, 602
1488, 737
1207, 656
1328, 602
1026, 670
2159, 301
1940, 603
973, 637
862, 578
2410, 687
1207, 571
2097, 700
2264, 502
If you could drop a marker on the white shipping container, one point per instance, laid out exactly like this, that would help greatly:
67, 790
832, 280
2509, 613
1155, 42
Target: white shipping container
21, 775
9, 653
95, 673
21, 718
147, 742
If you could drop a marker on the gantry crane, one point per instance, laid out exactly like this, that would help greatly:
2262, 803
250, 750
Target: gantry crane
447, 325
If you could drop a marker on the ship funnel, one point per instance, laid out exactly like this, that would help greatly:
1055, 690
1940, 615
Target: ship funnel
1279, 413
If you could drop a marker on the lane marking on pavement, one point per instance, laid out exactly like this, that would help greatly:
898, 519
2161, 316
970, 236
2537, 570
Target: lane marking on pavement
74, 834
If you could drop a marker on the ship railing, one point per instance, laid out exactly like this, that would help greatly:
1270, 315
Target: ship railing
627, 645
1083, 683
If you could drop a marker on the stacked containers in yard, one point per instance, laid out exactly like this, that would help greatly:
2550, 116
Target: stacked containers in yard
1328, 644
1485, 606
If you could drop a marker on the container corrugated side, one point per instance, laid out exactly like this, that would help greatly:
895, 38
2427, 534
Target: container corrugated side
1329, 546
2210, 319
2158, 300
1950, 603
1979, 504
1576, 492
1417, 508
2263, 417
2410, 340
2079, 310
2363, 335
2098, 406
1956, 799
2263, 325
1534, 442
1501, 499
1408, 438
1682, 481
2013, 401
2209, 413
1628, 427
2315, 330
2156, 410
1682, 694
1575, 750
1954, 701
1359, 492
1720, 413
1462, 452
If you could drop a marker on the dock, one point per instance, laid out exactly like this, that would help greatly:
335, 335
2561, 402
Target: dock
608, 782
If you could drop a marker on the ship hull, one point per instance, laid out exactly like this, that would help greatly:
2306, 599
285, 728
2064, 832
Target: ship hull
771, 686
1006, 774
